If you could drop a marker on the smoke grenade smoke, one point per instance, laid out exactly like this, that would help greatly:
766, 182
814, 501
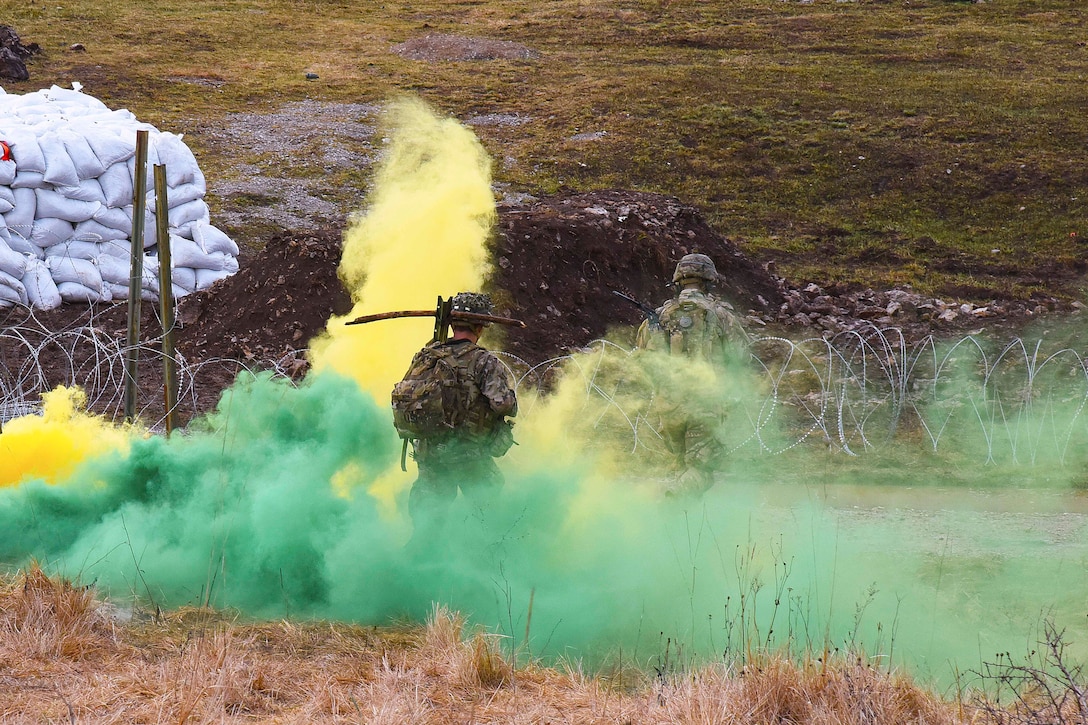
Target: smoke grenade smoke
289, 500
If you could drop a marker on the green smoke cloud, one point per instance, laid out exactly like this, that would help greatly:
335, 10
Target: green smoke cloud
795, 545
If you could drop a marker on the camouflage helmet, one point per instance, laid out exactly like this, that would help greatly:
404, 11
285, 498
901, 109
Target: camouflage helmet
474, 302
695, 266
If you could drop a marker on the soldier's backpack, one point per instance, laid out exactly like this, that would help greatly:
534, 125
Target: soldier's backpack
691, 325
430, 401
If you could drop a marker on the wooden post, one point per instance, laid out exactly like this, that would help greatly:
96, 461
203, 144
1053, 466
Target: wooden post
136, 276
166, 298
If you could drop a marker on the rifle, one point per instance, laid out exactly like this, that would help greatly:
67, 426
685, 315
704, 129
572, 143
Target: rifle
650, 313
443, 315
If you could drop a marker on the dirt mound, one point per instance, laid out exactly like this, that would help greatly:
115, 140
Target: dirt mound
272, 307
559, 260
439, 46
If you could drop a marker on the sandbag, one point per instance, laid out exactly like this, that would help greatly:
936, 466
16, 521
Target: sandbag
41, 290
66, 199
13, 284
47, 232
210, 240
74, 249
79, 271
93, 231
76, 292
11, 262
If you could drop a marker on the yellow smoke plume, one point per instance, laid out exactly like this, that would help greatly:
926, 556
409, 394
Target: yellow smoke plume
51, 445
423, 234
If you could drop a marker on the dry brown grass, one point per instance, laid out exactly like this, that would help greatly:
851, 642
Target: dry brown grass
63, 660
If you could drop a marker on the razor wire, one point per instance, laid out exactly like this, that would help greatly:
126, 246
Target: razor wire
860, 391
35, 360
853, 392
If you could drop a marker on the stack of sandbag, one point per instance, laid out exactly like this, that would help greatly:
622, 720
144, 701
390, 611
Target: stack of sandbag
67, 170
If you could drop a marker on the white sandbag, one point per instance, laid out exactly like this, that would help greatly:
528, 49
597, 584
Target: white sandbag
12, 283
150, 280
22, 245
51, 203
186, 253
179, 160
114, 270
116, 183
47, 232
112, 148
59, 169
88, 190
116, 218
11, 262
7, 171
190, 213
76, 292
28, 179
73, 249
205, 278
183, 277
210, 239
25, 149
94, 231
7, 199
72, 98
179, 195
119, 293
21, 218
41, 290
84, 159
115, 248
80, 271
8, 297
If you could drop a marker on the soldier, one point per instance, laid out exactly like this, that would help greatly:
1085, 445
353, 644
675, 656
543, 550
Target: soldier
452, 405
697, 325
695, 322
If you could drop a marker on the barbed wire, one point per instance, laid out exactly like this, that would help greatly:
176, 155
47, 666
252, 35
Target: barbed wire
853, 392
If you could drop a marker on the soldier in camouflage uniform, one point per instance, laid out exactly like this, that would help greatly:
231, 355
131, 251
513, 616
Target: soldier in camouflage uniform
477, 398
697, 325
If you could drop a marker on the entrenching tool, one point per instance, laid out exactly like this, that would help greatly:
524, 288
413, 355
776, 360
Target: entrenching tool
443, 316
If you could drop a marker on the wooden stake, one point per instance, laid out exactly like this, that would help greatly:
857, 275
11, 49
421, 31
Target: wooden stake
166, 298
136, 275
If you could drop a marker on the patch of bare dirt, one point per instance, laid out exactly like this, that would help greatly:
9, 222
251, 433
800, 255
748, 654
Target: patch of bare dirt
440, 46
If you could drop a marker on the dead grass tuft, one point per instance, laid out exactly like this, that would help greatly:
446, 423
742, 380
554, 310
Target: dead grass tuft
45, 618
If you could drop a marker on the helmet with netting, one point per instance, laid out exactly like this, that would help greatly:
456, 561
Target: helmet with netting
476, 303
695, 266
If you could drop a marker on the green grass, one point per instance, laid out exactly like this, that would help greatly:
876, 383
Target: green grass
819, 135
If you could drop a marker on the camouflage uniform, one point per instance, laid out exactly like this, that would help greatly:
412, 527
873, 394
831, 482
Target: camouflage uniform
696, 325
477, 393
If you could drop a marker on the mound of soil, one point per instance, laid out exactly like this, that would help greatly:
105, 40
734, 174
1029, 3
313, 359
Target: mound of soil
278, 300
560, 260
557, 261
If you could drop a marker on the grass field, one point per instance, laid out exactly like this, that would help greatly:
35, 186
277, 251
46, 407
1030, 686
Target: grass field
931, 143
